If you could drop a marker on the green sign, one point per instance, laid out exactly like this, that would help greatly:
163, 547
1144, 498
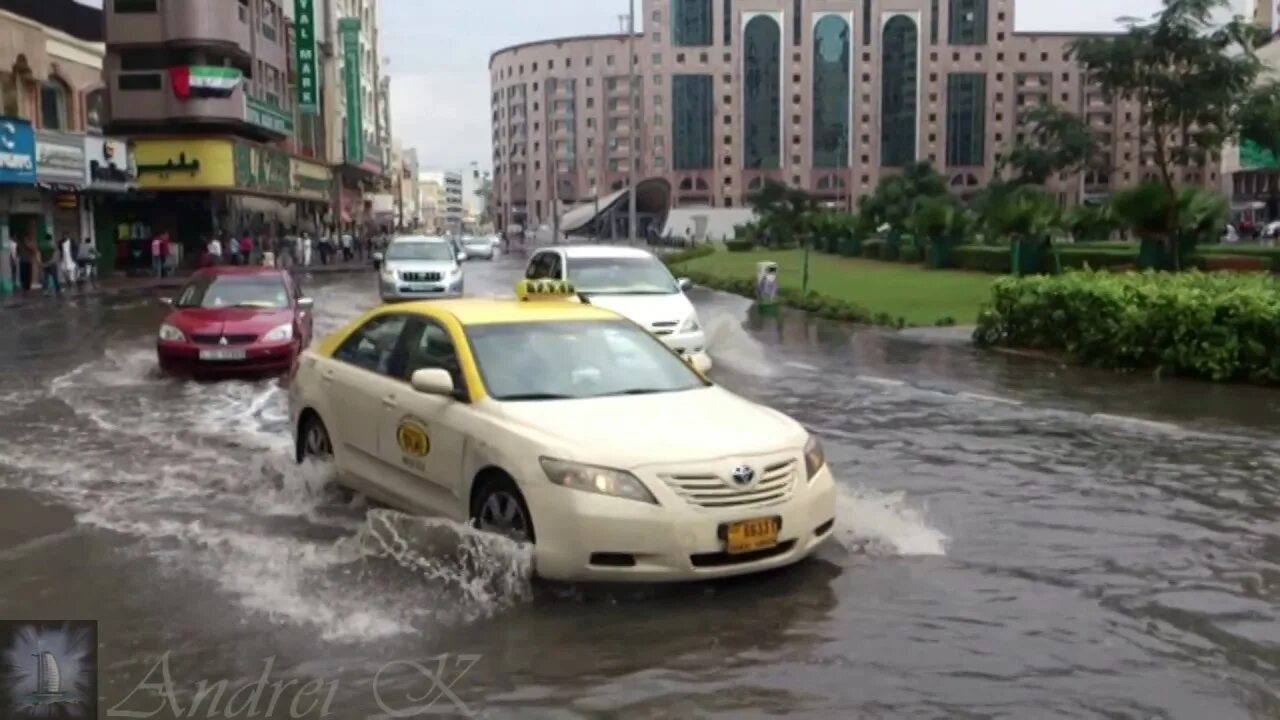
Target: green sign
261, 168
1254, 157
264, 114
349, 29
304, 55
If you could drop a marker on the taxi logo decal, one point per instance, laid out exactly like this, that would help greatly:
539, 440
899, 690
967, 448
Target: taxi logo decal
528, 289
413, 439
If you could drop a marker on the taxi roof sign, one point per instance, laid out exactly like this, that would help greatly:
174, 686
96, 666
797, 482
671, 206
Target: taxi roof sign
546, 290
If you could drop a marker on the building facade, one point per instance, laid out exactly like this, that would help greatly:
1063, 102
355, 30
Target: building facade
58, 175
445, 188
828, 95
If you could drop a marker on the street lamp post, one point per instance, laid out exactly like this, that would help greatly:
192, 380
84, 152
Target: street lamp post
633, 159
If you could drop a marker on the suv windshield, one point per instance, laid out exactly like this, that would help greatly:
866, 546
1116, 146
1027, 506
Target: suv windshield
621, 276
430, 251
223, 291
576, 360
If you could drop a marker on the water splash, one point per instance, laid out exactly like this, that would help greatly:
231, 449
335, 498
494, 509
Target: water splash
881, 523
731, 347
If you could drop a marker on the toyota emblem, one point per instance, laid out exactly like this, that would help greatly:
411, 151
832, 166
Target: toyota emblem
743, 476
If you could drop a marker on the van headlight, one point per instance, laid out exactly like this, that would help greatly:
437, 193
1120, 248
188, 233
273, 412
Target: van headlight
169, 333
599, 480
690, 325
279, 334
814, 458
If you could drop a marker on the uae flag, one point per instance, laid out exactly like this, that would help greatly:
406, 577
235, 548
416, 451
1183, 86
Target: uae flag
203, 81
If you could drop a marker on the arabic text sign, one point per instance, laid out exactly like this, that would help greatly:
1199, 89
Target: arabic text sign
184, 164
310, 180
17, 152
349, 28
304, 53
59, 158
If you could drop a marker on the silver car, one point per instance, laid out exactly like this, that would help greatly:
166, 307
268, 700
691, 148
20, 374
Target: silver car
478, 247
418, 268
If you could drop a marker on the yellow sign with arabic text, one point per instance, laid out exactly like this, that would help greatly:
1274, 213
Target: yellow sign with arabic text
310, 180
184, 164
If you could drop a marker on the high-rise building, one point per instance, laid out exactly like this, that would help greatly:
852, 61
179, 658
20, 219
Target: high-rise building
213, 96
828, 95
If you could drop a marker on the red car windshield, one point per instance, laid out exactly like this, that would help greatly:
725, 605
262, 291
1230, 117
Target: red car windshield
228, 291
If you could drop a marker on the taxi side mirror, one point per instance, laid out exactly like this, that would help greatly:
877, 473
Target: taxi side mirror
432, 381
685, 284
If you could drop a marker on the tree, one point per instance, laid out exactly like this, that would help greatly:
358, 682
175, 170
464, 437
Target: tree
782, 211
1187, 74
485, 192
895, 198
1259, 121
1057, 141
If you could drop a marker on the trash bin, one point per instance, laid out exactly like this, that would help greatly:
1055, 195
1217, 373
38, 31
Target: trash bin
767, 286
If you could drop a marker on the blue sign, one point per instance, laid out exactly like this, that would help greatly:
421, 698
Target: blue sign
17, 152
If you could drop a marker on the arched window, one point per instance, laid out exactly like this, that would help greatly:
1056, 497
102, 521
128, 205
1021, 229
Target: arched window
762, 108
95, 109
54, 98
899, 75
831, 107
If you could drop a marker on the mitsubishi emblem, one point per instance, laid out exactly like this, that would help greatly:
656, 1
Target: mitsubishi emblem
223, 341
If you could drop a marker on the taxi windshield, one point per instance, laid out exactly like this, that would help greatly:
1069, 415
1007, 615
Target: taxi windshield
428, 251
621, 276
230, 291
576, 360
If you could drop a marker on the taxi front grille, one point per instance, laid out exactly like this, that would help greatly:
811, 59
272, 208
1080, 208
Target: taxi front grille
214, 339
711, 490
421, 276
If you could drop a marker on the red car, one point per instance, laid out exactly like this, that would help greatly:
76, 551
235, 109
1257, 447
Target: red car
235, 320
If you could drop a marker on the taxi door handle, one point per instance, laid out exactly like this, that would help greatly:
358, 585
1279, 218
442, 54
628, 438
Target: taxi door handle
391, 401
327, 375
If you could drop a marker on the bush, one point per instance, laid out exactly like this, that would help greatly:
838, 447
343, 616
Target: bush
682, 256
910, 254
982, 258
1078, 258
872, 249
1211, 326
739, 245
890, 251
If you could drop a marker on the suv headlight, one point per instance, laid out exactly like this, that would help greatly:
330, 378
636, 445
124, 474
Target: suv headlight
388, 272
170, 333
814, 458
279, 334
599, 480
691, 325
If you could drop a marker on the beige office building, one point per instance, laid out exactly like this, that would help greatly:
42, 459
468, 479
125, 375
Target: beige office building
829, 95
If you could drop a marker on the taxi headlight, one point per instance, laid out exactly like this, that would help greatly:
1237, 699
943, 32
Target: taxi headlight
279, 334
814, 458
169, 333
599, 480
690, 325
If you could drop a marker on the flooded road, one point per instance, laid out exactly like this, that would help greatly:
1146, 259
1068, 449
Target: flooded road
1015, 540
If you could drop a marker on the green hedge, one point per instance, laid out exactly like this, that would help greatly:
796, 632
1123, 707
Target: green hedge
692, 253
820, 305
985, 258
739, 245
1215, 326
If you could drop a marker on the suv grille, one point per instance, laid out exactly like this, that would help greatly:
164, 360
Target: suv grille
421, 276
217, 339
714, 491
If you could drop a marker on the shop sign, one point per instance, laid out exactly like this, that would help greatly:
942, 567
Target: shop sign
262, 168
304, 56
17, 152
310, 180
108, 164
183, 164
264, 114
59, 158
349, 30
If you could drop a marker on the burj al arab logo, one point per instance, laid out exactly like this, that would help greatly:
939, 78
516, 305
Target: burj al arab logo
48, 670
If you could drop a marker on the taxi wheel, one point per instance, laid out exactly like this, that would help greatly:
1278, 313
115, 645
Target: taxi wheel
499, 508
313, 440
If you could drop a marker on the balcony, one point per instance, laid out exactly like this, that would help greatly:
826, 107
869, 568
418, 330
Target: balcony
181, 22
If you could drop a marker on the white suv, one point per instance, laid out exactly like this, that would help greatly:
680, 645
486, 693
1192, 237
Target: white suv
632, 283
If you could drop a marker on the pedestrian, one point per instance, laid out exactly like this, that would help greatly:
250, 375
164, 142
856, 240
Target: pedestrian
8, 264
233, 250
215, 250
305, 242
87, 262
50, 262
28, 264
157, 257
348, 249
68, 266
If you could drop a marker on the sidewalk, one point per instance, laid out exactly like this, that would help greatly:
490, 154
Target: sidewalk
123, 285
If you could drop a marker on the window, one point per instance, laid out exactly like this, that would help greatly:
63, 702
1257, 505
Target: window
428, 345
727, 16
762, 60
691, 23
898, 92
95, 109
8, 95
693, 113
139, 81
966, 119
831, 74
544, 266
373, 346
53, 105
269, 21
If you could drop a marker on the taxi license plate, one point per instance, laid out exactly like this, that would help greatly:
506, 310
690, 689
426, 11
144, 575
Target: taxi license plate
222, 354
751, 535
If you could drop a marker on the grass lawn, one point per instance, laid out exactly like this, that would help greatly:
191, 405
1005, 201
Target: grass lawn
902, 290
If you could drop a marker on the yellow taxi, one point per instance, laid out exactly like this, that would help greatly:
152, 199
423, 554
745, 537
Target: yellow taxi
563, 425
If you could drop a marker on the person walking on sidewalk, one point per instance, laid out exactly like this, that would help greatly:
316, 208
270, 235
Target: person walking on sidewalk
157, 255
87, 263
306, 244
246, 248
233, 250
348, 249
50, 262
215, 251
28, 264
8, 265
